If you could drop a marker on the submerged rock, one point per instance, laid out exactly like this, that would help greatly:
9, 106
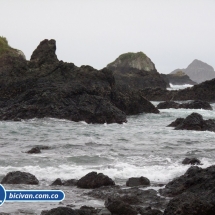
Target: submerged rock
18, 177
192, 161
34, 150
94, 180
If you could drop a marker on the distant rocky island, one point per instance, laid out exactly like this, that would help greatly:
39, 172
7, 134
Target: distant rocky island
178, 78
198, 71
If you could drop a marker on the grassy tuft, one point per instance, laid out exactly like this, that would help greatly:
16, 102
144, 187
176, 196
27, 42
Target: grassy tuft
4, 47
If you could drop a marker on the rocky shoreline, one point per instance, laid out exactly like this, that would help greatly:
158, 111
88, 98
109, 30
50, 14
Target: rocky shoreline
189, 194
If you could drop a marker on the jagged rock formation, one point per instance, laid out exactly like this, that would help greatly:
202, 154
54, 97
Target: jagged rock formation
198, 71
135, 71
178, 78
47, 87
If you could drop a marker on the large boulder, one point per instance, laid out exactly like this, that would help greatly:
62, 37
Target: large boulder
194, 121
94, 180
135, 71
18, 177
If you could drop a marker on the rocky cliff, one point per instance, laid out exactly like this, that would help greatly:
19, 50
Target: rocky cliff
198, 71
47, 87
136, 71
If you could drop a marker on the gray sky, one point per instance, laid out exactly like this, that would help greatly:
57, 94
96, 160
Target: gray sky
95, 32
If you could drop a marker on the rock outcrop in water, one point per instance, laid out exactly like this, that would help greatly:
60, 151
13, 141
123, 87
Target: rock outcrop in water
189, 105
198, 71
135, 71
204, 91
195, 122
18, 177
178, 78
47, 87
95, 180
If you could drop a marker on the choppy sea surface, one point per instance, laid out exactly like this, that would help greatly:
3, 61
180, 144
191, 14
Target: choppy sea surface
143, 146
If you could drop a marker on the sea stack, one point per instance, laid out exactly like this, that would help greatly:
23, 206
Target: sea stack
136, 71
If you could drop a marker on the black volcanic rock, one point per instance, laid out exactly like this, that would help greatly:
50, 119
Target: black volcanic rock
47, 87
117, 206
204, 92
94, 180
60, 211
189, 105
178, 78
132, 182
193, 192
194, 121
168, 104
192, 161
18, 177
34, 150
135, 71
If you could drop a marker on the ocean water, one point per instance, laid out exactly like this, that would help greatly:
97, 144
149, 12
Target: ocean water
178, 87
143, 146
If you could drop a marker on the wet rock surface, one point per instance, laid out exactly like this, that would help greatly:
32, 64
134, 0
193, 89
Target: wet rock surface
193, 192
194, 121
94, 180
70, 182
18, 177
132, 182
132, 196
192, 161
34, 150
117, 206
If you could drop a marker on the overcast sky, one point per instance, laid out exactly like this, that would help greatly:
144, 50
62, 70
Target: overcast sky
95, 32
